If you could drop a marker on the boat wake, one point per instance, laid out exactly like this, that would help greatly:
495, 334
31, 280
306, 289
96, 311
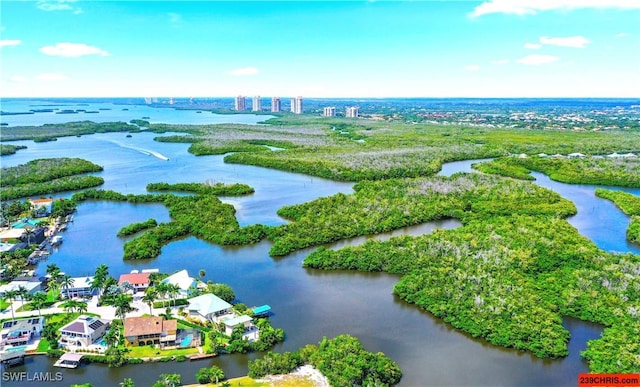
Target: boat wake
147, 152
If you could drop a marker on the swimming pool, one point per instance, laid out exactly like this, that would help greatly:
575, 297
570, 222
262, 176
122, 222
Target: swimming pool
186, 341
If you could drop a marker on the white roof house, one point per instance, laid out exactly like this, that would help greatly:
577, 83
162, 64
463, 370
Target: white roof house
81, 287
183, 281
31, 286
209, 306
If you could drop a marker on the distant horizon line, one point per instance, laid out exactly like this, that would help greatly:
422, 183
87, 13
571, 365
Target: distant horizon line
309, 97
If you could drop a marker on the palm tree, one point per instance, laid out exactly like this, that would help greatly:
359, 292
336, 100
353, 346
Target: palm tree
173, 290
150, 296
161, 289
99, 278
70, 306
202, 273
167, 314
102, 271
38, 300
112, 337
66, 282
81, 307
53, 272
217, 373
122, 303
10, 295
22, 293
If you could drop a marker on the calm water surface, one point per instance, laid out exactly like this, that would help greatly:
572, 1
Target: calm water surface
109, 112
308, 304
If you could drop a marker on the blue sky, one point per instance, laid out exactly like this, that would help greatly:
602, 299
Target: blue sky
492, 48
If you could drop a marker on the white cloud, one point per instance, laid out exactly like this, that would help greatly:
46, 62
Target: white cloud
570, 41
72, 50
622, 35
19, 79
500, 61
244, 71
58, 5
10, 42
535, 60
472, 68
532, 7
51, 77
532, 46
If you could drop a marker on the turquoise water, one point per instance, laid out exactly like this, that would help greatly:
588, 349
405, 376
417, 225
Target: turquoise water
186, 341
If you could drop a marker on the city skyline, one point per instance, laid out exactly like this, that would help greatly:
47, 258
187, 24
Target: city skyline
350, 49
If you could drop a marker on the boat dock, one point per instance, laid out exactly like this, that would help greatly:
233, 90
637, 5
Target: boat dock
69, 360
199, 356
12, 358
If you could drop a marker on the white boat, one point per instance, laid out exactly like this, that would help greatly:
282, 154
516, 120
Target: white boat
56, 240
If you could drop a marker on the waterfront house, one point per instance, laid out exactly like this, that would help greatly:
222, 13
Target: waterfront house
12, 234
83, 331
42, 207
21, 331
31, 286
150, 330
79, 287
576, 156
139, 281
208, 306
187, 285
250, 330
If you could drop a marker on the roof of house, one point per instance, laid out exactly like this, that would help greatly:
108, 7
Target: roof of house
24, 324
84, 325
208, 303
15, 285
80, 282
232, 322
181, 279
41, 201
134, 278
148, 325
12, 233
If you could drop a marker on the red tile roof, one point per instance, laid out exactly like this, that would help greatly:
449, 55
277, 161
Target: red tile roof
148, 325
134, 278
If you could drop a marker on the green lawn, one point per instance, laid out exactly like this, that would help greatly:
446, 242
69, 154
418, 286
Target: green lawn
4, 304
151, 351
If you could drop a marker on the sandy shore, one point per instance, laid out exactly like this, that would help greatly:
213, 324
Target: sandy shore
305, 372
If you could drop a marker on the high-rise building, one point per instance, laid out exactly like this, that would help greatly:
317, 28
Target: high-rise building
329, 111
296, 105
257, 104
240, 103
275, 105
352, 111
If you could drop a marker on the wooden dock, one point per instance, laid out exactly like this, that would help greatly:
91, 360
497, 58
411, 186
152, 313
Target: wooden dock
199, 356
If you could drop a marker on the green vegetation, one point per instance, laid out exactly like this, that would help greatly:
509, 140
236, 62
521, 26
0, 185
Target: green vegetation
45, 176
49, 132
137, 227
630, 205
623, 172
6, 150
202, 215
217, 189
343, 360
510, 279
380, 206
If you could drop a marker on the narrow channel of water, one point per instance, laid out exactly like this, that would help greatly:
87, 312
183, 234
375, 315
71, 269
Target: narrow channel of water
308, 304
